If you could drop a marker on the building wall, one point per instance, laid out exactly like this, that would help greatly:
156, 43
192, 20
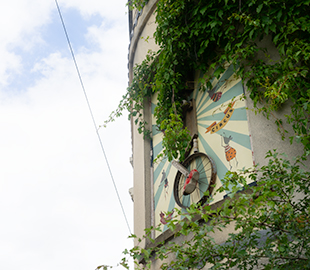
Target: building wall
263, 132
141, 41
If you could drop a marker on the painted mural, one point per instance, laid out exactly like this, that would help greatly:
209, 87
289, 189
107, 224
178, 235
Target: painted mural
223, 135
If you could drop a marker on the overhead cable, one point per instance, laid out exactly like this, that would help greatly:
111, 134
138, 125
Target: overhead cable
91, 113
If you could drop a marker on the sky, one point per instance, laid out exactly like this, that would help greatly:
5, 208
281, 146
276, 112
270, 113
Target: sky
58, 206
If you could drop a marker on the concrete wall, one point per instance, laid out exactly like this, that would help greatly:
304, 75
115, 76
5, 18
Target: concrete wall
263, 132
265, 135
142, 40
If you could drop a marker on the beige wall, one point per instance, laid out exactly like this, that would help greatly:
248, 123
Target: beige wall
141, 42
264, 134
143, 26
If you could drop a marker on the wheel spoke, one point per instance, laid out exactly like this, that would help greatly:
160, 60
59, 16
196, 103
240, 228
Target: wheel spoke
198, 193
188, 200
202, 178
199, 165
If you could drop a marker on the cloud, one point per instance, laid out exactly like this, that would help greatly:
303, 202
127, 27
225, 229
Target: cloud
20, 18
9, 62
19, 22
111, 10
57, 201
22, 21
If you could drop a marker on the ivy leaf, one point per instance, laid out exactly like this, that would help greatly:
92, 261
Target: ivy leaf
203, 10
279, 15
259, 8
304, 73
282, 49
220, 13
251, 33
273, 27
218, 71
213, 24
276, 38
242, 252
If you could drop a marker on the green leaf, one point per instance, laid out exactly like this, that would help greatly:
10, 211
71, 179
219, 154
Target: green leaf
276, 38
279, 14
304, 73
251, 33
273, 27
213, 24
218, 71
203, 10
259, 8
220, 13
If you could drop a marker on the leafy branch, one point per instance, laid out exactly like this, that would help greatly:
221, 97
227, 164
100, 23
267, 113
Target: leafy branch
269, 223
200, 35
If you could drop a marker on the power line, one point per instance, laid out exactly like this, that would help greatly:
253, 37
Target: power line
91, 113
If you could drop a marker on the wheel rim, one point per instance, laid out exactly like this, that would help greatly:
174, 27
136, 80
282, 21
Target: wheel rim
207, 175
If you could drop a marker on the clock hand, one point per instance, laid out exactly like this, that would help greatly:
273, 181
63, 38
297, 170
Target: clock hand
191, 178
180, 167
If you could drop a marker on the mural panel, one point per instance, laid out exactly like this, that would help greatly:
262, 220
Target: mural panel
223, 135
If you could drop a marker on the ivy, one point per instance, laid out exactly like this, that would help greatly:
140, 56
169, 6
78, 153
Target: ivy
270, 224
138, 4
137, 93
176, 138
202, 35
270, 219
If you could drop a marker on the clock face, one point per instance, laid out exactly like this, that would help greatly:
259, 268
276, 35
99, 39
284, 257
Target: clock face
223, 135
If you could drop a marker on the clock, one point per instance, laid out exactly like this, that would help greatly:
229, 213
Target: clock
223, 142
197, 177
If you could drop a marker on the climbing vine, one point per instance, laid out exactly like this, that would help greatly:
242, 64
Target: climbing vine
142, 86
268, 42
270, 225
138, 4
